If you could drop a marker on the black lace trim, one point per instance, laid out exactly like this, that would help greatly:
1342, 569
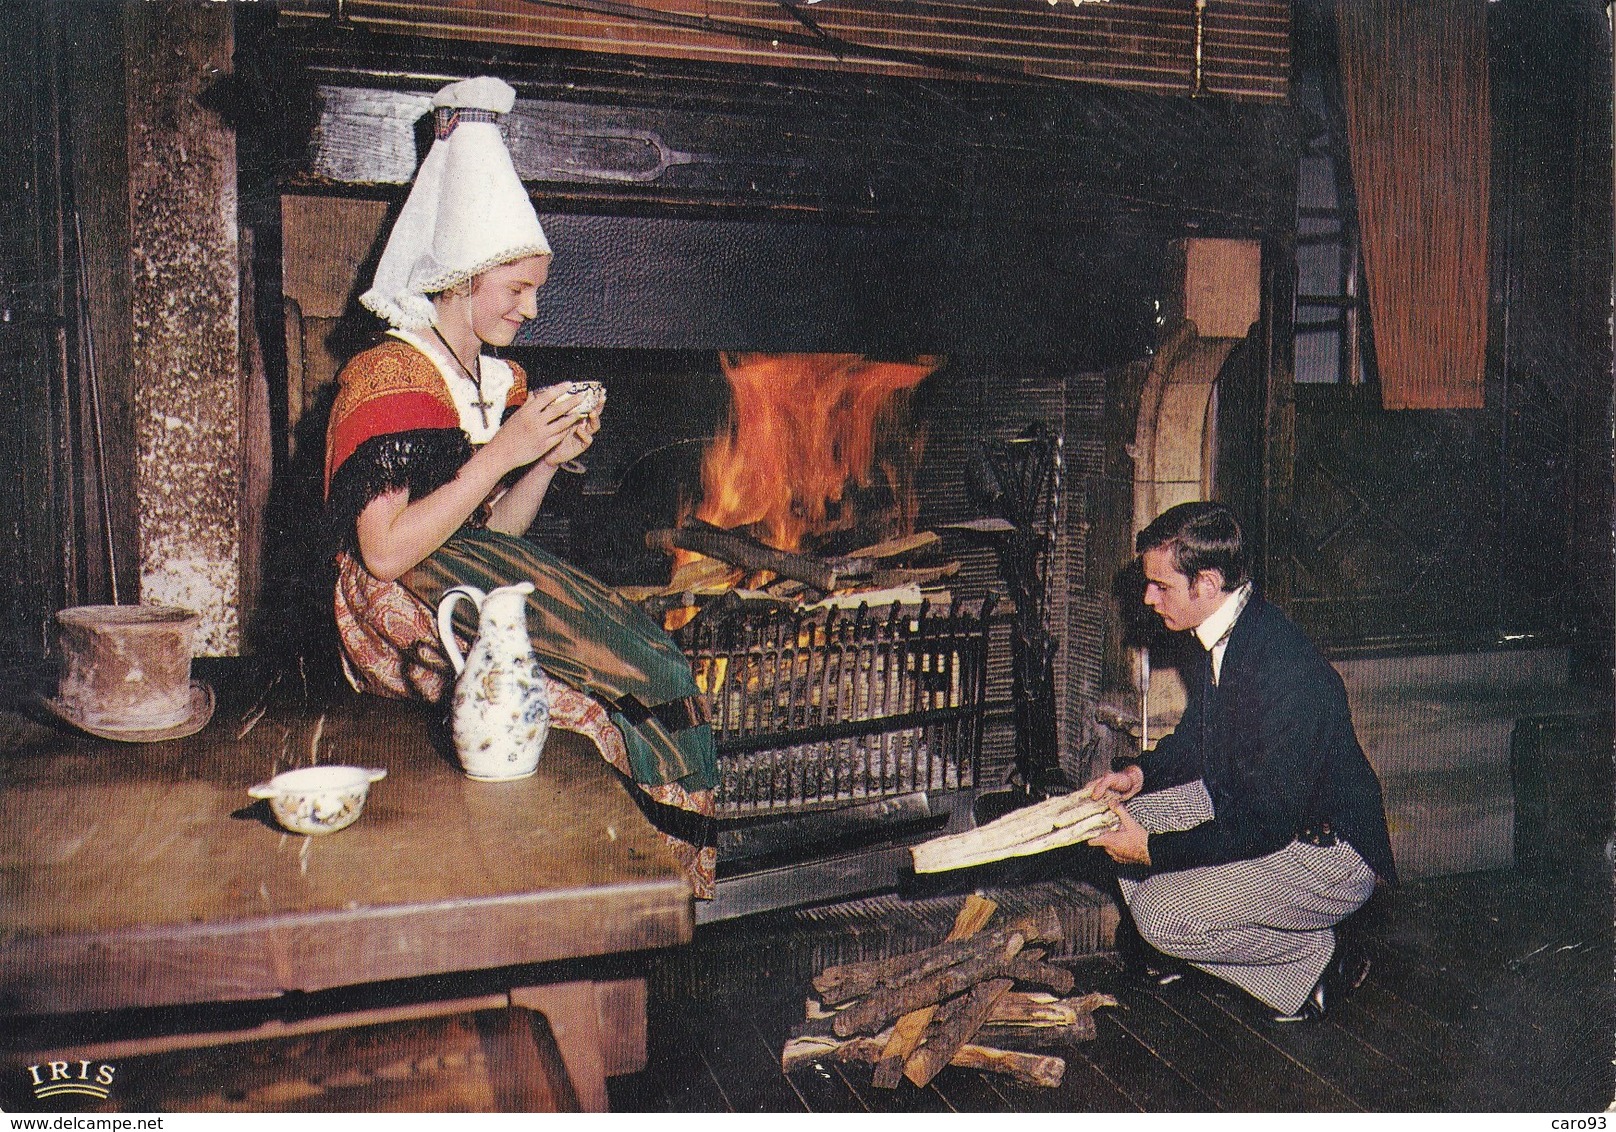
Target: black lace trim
421, 460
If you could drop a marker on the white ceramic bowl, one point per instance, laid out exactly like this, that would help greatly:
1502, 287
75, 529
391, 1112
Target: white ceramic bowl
318, 799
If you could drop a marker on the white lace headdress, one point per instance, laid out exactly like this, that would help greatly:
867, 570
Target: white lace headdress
467, 210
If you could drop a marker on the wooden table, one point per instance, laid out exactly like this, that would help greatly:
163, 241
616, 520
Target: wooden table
144, 876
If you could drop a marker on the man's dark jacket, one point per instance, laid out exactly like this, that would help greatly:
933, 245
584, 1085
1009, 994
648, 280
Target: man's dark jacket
1273, 740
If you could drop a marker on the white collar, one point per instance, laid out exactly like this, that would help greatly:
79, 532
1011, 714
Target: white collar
1216, 628
496, 386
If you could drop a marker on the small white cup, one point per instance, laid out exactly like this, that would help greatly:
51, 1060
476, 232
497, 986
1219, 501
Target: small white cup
318, 799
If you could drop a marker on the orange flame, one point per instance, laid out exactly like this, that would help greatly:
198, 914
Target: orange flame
801, 429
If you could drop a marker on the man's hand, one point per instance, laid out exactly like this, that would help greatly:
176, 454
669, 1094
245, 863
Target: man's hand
1128, 844
1118, 786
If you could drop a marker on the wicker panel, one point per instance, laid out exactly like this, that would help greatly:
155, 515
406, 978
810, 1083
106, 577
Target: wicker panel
1146, 44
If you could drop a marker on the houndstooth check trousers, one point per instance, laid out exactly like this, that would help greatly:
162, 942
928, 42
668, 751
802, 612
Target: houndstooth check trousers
1263, 924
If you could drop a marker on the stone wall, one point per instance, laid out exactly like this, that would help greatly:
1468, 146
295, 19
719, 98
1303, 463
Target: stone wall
186, 356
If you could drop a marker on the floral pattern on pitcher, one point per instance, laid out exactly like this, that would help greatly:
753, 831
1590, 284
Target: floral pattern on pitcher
500, 710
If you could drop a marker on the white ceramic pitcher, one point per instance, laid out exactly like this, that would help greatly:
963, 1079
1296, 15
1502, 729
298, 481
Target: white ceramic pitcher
501, 709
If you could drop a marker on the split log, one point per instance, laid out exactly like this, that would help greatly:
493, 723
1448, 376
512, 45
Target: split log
904, 544
847, 981
893, 577
1024, 1008
884, 1004
955, 1024
1055, 822
972, 917
1083, 1029
702, 576
906, 1035
1028, 1068
877, 599
1015, 1008
1025, 969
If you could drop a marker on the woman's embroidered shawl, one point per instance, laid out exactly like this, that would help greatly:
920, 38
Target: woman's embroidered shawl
395, 425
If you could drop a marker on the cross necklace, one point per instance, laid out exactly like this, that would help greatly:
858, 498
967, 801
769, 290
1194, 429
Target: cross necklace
482, 403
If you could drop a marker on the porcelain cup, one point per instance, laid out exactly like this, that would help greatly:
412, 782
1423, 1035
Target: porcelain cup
318, 799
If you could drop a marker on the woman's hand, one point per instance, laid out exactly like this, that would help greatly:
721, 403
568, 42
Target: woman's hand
514, 512
575, 442
545, 421
395, 532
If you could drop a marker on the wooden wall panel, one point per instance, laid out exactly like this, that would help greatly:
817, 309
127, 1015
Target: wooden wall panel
1244, 45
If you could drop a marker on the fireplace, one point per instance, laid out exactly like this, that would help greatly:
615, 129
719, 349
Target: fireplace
849, 728
845, 732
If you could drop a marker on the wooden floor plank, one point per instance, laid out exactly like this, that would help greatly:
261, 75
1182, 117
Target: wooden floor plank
677, 1066
768, 1016
1541, 1042
1083, 1088
1150, 1082
966, 1090
822, 1089
741, 1058
1182, 1046
1398, 1030
1268, 1078
1333, 1052
904, 1099
1436, 987
818, 1087
1513, 1041
1491, 919
1147, 1080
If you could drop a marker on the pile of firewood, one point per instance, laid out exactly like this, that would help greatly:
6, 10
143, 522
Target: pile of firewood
963, 1002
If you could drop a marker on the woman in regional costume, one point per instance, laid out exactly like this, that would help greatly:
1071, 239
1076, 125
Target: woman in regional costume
438, 458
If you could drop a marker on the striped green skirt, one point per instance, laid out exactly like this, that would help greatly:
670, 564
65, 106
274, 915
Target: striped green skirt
587, 636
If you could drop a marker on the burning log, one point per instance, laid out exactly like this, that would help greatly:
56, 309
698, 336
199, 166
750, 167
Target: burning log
892, 577
749, 554
1028, 1068
1051, 824
904, 544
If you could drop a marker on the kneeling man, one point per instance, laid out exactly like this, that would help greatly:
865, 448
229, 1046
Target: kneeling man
1257, 825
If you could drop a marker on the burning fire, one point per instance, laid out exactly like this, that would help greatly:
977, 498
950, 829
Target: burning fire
802, 429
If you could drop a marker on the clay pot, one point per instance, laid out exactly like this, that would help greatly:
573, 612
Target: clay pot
126, 672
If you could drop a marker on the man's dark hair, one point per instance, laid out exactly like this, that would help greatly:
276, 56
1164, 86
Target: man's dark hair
1201, 536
